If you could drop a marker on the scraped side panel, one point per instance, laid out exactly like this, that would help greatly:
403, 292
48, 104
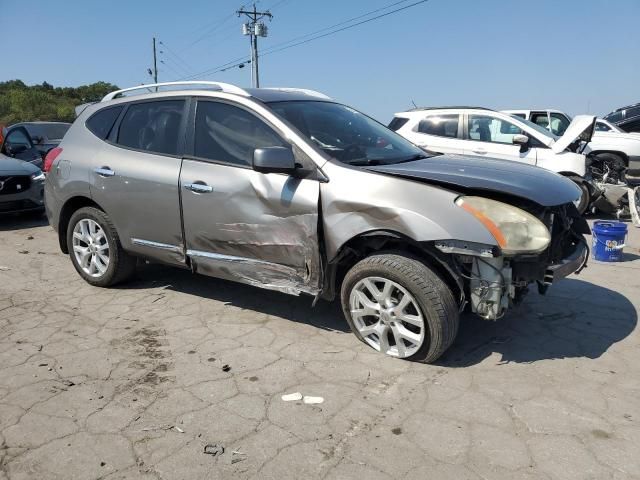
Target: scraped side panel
254, 228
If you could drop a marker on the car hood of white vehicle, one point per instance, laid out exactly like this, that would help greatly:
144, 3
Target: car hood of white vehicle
581, 127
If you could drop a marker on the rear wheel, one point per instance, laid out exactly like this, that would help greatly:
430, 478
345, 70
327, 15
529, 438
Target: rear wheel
400, 307
95, 249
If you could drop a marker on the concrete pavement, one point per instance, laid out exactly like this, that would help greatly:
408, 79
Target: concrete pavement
131, 382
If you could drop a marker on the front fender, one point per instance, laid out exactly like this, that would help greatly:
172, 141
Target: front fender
565, 163
356, 201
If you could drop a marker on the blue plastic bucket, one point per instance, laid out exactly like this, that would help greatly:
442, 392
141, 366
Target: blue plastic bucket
608, 240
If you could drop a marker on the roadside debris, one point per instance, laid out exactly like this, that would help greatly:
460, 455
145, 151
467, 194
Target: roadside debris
4, 269
226, 368
29, 237
309, 400
238, 456
292, 397
214, 450
179, 429
312, 400
24, 252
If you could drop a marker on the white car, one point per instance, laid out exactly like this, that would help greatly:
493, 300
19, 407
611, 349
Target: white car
609, 143
487, 133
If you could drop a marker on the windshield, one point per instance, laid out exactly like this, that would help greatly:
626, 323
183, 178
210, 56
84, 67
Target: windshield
48, 131
346, 134
536, 127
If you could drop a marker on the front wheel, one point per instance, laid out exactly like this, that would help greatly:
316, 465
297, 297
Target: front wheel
585, 198
95, 249
400, 307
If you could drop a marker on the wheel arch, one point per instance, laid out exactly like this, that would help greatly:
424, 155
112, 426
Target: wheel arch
72, 205
375, 241
622, 155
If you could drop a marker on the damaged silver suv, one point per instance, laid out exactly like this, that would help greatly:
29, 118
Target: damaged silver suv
289, 190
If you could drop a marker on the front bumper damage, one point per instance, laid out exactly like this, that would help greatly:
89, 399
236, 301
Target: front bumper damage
493, 283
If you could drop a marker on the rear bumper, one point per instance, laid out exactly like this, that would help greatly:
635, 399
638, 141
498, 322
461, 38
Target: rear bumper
569, 265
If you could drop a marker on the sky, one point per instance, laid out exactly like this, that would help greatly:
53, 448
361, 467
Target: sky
579, 56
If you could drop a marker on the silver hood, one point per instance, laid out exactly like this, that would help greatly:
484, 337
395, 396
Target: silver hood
539, 185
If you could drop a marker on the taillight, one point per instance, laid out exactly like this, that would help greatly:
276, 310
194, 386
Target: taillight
50, 158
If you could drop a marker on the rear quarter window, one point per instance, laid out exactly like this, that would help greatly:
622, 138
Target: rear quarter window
440, 125
152, 127
101, 122
397, 123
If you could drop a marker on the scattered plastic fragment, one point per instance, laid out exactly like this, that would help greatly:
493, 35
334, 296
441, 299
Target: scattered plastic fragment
24, 252
292, 397
226, 368
312, 400
4, 269
238, 456
179, 429
29, 237
214, 450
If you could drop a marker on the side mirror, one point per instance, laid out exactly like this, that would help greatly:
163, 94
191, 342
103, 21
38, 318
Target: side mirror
15, 149
521, 140
274, 160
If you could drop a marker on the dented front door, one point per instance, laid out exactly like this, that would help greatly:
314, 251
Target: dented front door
243, 225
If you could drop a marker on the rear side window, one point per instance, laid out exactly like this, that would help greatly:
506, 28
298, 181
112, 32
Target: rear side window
152, 126
101, 122
397, 123
540, 119
440, 125
229, 134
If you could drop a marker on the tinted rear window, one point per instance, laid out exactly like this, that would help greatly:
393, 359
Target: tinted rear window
152, 126
49, 131
440, 125
100, 123
397, 123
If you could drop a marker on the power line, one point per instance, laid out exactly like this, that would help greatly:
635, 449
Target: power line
210, 31
177, 57
254, 29
269, 52
314, 36
170, 67
386, 7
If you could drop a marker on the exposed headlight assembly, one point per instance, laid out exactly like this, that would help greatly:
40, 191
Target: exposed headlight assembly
38, 177
515, 230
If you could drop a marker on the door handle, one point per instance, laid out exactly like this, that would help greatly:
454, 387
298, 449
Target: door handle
199, 187
105, 172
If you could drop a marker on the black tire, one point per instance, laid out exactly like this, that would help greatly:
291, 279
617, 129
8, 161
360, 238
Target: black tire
436, 300
121, 266
585, 199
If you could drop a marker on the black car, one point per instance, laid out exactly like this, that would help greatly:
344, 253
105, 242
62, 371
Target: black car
31, 141
21, 186
627, 118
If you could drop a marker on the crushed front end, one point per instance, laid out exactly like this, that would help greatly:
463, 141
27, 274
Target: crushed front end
496, 278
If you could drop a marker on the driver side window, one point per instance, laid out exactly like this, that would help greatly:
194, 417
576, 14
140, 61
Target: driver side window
484, 128
229, 134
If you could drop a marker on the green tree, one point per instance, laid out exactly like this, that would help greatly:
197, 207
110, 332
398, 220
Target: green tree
22, 103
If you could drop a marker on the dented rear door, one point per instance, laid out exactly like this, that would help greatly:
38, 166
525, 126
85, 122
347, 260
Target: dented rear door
239, 224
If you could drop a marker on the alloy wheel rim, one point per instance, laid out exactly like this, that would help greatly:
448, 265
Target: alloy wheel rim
90, 247
387, 316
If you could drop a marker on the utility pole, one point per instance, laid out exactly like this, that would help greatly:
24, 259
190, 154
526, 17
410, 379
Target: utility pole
155, 64
254, 29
